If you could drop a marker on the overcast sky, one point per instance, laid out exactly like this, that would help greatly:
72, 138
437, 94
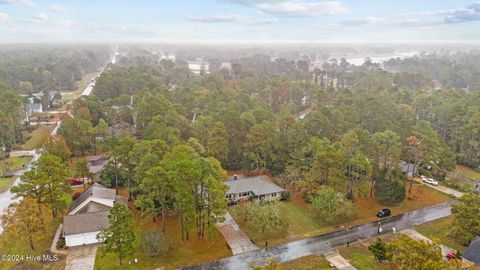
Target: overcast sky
240, 21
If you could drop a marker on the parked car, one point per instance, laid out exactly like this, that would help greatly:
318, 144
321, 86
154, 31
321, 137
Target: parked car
430, 181
384, 213
76, 181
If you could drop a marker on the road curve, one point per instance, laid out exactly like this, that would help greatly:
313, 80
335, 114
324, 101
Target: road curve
327, 242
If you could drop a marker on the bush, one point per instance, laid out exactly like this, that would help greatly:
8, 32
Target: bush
285, 196
380, 250
61, 242
331, 205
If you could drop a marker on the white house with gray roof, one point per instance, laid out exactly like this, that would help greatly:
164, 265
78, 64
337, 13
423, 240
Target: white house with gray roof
88, 215
257, 187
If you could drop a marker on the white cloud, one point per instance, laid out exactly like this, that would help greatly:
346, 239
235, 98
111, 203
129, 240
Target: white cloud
28, 3
294, 8
231, 18
218, 18
66, 23
40, 17
57, 8
4, 18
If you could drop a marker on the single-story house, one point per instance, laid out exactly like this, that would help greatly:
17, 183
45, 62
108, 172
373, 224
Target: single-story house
96, 164
472, 253
88, 215
257, 187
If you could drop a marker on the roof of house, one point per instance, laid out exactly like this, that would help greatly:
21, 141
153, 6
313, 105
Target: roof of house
97, 191
259, 185
95, 158
85, 222
472, 253
94, 169
31, 107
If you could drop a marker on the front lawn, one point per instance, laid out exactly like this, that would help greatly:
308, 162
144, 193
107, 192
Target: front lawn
184, 253
37, 137
468, 172
312, 262
302, 221
6, 183
439, 229
358, 255
13, 163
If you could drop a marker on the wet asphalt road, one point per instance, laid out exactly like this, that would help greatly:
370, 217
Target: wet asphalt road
327, 242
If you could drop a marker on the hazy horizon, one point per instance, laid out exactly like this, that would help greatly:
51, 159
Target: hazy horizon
240, 21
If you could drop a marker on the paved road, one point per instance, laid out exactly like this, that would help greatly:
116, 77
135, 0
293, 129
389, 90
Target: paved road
325, 243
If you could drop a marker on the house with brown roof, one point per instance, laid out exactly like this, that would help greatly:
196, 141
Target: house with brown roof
88, 215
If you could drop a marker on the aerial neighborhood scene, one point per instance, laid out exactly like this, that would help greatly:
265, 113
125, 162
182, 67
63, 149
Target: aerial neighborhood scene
240, 134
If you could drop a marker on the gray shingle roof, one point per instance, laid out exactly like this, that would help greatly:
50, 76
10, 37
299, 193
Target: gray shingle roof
97, 191
259, 185
472, 253
85, 223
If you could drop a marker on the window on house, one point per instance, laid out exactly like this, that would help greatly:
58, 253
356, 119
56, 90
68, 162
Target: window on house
273, 194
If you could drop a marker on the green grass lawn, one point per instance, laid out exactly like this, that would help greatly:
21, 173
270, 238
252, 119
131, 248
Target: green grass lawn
184, 253
312, 262
438, 229
5, 183
37, 137
467, 172
361, 258
13, 163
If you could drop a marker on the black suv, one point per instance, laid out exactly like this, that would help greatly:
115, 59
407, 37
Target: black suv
384, 213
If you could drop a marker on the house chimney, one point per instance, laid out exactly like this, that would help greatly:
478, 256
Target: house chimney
235, 177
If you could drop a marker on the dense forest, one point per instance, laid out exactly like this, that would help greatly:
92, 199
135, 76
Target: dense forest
32, 69
353, 138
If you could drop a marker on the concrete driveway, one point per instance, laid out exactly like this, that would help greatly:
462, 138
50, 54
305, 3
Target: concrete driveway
446, 190
81, 257
236, 239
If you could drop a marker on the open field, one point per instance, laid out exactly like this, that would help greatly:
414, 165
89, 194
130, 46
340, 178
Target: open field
438, 229
312, 262
71, 95
37, 137
188, 252
302, 221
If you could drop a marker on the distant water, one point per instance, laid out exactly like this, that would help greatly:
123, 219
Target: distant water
358, 61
